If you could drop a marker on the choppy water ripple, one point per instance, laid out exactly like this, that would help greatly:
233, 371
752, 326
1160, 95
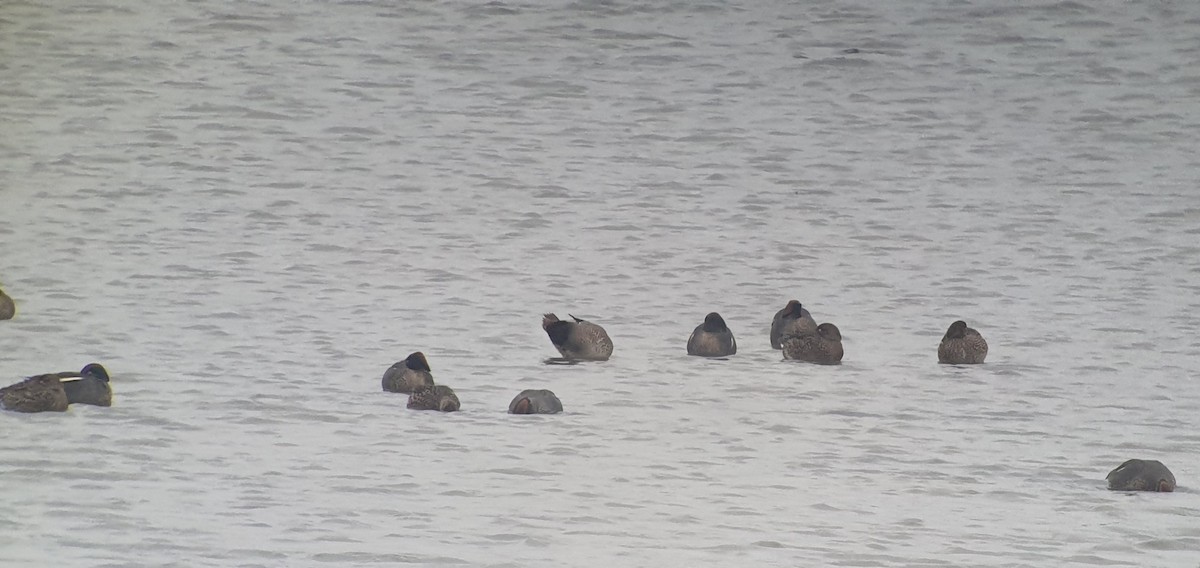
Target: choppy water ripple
248, 212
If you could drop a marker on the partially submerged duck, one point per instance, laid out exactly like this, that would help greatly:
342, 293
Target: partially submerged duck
535, 401
36, 394
8, 308
405, 376
712, 338
793, 319
1141, 475
823, 347
430, 397
962, 345
578, 340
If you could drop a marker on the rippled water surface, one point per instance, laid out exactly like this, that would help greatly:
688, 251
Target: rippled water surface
249, 210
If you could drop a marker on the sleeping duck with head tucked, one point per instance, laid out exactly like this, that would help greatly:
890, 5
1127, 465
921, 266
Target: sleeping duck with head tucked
712, 338
409, 374
54, 391
823, 347
962, 345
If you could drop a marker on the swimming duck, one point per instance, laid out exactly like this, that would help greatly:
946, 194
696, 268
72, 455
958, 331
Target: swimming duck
7, 307
793, 319
712, 338
35, 394
1141, 475
430, 397
535, 401
823, 347
406, 375
579, 340
962, 345
88, 386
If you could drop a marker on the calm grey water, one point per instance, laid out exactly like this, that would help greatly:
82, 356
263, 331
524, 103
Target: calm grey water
248, 210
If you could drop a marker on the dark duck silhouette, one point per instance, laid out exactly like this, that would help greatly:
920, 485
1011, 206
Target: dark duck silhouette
712, 338
793, 319
962, 345
1141, 475
405, 376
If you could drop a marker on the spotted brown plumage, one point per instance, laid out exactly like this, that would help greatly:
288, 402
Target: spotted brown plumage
793, 319
962, 345
405, 376
41, 393
430, 397
578, 340
1141, 475
712, 338
823, 347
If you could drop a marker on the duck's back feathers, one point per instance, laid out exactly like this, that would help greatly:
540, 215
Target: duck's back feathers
1141, 475
823, 347
429, 397
41, 393
579, 339
535, 401
409, 374
962, 345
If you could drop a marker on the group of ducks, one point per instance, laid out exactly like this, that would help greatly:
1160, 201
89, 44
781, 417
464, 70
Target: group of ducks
793, 331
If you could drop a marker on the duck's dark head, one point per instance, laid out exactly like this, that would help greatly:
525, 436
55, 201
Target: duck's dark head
829, 331
714, 323
95, 370
557, 330
957, 329
793, 309
417, 362
523, 406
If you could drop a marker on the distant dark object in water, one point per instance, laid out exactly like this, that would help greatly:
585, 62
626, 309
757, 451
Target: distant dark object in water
8, 308
1141, 475
405, 376
535, 401
962, 345
579, 340
429, 397
43, 393
793, 319
712, 338
823, 347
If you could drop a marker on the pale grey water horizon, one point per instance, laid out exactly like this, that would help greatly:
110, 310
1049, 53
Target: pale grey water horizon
248, 211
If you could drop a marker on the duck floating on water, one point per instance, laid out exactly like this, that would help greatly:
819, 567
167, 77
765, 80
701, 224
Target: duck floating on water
430, 397
712, 338
962, 345
535, 401
578, 340
409, 374
823, 347
1141, 475
793, 319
